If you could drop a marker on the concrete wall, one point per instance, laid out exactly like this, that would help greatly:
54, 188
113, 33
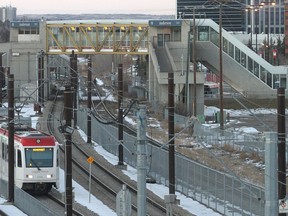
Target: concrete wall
21, 57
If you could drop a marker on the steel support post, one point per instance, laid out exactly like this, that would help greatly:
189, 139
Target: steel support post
141, 160
11, 138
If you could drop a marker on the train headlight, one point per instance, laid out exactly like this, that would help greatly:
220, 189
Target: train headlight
29, 176
49, 176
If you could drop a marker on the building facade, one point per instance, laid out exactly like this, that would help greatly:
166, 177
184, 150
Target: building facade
169, 52
243, 15
232, 17
266, 18
21, 53
7, 13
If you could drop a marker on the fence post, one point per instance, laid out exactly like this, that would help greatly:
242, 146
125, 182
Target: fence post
271, 194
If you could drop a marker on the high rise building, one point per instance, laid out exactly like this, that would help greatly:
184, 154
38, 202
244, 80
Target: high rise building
234, 16
286, 24
7, 13
233, 13
264, 15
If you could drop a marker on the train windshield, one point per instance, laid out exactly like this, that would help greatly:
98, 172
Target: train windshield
39, 157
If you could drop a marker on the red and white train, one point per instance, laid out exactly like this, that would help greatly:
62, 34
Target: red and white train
36, 159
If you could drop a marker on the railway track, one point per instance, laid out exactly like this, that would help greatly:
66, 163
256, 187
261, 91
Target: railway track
53, 202
104, 181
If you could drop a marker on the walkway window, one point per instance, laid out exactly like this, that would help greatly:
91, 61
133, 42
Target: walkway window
231, 50
243, 59
203, 33
269, 79
250, 64
256, 69
263, 74
28, 31
237, 54
225, 45
215, 37
101, 34
283, 81
276, 81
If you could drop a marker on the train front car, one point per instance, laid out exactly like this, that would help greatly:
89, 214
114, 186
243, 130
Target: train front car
37, 167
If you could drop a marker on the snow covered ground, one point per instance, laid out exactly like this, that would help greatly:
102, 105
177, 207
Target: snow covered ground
82, 195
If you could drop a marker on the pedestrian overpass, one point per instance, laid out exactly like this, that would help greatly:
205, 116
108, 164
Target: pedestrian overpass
243, 69
97, 37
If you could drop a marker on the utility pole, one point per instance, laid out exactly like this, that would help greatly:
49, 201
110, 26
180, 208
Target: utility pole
2, 80
194, 65
221, 67
2, 83
11, 137
120, 114
221, 63
89, 101
74, 84
268, 33
68, 114
187, 75
252, 21
171, 197
171, 133
40, 80
281, 145
141, 160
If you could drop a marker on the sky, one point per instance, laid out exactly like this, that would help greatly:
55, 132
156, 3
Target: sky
166, 7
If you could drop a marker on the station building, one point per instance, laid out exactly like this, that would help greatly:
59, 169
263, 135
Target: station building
166, 43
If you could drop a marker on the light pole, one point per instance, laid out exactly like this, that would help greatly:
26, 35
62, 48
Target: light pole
253, 8
221, 69
221, 116
268, 25
194, 65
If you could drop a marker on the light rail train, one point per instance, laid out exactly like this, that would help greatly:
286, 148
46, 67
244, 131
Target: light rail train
36, 163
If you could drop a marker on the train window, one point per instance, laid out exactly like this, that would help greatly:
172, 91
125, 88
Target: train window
19, 159
57, 159
3, 150
7, 153
39, 157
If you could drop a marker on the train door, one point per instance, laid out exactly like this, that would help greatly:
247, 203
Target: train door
4, 158
57, 166
19, 171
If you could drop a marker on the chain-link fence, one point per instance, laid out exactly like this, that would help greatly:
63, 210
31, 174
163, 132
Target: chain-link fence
237, 140
224, 193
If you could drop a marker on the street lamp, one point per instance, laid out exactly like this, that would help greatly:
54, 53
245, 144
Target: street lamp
194, 65
273, 3
221, 69
253, 8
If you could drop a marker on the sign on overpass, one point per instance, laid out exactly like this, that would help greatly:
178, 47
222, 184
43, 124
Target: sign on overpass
24, 24
165, 22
